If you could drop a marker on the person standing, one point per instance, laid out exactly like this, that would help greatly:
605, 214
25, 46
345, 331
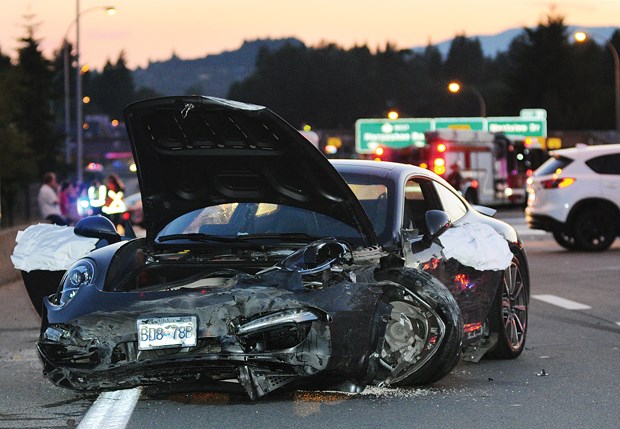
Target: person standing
455, 178
115, 204
48, 200
68, 200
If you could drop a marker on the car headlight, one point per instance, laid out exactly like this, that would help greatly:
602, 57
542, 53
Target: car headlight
80, 274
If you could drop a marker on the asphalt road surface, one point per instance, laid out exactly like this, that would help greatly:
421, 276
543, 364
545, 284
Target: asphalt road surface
566, 378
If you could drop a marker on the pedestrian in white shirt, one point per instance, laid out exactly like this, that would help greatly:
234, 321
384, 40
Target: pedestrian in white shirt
48, 200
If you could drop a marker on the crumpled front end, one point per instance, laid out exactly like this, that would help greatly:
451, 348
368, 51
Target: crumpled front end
263, 331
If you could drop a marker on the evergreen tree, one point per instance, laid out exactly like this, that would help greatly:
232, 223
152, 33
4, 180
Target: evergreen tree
17, 168
465, 61
541, 72
31, 113
58, 87
429, 88
466, 64
112, 89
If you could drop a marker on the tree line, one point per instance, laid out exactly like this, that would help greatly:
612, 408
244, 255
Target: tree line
325, 86
330, 87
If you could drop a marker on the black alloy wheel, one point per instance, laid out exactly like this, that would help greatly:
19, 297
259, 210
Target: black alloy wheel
509, 312
425, 330
565, 240
594, 229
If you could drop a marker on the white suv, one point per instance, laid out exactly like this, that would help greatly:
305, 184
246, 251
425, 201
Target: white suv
575, 194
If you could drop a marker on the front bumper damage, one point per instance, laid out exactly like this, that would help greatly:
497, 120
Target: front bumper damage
264, 337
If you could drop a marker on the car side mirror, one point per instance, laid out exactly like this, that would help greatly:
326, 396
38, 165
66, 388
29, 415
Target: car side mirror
437, 222
97, 227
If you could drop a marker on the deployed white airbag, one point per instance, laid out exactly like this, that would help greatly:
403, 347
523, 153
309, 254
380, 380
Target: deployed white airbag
49, 247
476, 245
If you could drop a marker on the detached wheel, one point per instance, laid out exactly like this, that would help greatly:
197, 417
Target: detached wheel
565, 240
425, 330
594, 229
509, 312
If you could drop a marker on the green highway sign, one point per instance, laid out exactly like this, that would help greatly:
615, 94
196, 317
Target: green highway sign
398, 133
518, 126
405, 132
473, 124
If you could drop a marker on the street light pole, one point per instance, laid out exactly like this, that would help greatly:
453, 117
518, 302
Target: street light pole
78, 99
66, 69
455, 87
483, 106
78, 90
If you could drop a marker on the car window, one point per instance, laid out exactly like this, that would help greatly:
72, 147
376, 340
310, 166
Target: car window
605, 164
238, 219
419, 198
373, 198
376, 195
451, 203
552, 165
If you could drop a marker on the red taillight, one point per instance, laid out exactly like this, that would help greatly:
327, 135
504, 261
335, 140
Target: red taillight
379, 151
557, 183
474, 184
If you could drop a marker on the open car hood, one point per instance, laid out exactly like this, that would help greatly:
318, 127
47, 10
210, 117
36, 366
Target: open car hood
195, 151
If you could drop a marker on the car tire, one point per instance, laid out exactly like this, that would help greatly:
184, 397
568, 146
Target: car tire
509, 312
437, 298
594, 229
565, 240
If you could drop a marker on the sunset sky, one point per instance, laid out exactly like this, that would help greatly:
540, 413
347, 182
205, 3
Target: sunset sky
154, 29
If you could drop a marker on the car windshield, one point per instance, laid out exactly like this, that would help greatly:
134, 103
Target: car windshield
552, 165
256, 220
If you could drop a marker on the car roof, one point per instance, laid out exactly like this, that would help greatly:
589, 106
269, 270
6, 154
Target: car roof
394, 170
378, 167
582, 151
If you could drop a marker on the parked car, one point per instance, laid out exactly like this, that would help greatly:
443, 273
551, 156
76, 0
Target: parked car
266, 264
575, 195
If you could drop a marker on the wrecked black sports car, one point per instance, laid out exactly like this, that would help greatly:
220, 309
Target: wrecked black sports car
267, 264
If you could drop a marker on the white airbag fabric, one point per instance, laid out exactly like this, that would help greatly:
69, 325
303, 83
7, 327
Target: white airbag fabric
476, 245
49, 247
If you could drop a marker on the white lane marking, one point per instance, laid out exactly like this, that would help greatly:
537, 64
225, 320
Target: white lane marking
561, 302
111, 410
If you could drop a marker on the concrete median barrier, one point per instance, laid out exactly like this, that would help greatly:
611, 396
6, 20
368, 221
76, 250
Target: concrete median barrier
7, 243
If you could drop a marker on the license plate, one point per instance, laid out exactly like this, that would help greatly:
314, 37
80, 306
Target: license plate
165, 332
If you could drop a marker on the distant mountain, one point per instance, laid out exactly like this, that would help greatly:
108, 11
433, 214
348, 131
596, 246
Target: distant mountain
211, 75
500, 42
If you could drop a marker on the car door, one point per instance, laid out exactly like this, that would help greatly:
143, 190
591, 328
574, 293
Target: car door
419, 250
608, 167
473, 289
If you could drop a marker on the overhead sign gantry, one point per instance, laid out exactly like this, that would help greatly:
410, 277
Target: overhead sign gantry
405, 132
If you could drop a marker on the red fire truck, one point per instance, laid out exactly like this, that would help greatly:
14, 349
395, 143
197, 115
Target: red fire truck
487, 168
